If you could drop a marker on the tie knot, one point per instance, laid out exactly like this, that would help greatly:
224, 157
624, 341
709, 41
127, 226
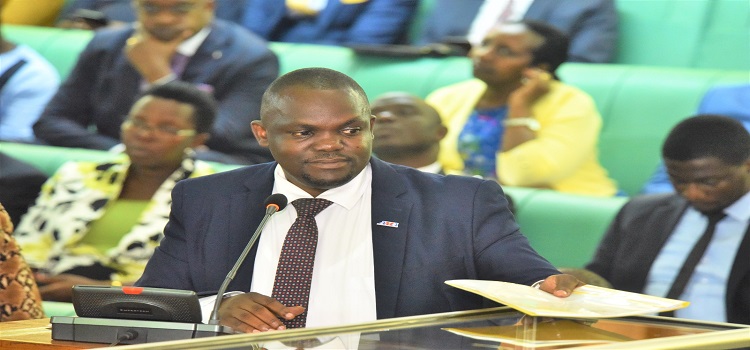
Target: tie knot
310, 207
714, 218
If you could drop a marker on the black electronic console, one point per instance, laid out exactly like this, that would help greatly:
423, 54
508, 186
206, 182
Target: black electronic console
133, 315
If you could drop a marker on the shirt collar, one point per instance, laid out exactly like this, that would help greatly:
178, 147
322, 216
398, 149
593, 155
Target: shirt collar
346, 195
434, 168
191, 44
740, 209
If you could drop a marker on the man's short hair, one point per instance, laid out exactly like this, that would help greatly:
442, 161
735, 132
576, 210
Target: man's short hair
314, 78
706, 136
204, 105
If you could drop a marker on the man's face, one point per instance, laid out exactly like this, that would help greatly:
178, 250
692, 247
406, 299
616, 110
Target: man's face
404, 124
320, 138
709, 184
166, 20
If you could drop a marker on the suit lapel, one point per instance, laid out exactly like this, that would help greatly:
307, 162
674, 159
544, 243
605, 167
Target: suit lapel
245, 214
389, 242
740, 269
208, 53
657, 233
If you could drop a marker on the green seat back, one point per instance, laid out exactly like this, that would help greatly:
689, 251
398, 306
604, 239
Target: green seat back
660, 32
564, 228
725, 41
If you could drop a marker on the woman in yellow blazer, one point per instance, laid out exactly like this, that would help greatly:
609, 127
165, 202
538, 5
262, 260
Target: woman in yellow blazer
515, 122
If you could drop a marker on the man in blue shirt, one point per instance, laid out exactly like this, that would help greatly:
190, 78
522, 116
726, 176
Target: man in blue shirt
27, 83
655, 236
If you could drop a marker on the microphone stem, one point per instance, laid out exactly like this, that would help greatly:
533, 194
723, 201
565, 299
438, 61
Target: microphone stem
270, 210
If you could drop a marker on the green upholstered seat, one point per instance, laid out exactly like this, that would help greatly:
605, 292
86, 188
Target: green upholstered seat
684, 33
639, 105
564, 228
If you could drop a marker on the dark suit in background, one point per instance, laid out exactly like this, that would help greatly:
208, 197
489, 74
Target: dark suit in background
636, 237
369, 22
237, 65
213, 218
590, 24
20, 184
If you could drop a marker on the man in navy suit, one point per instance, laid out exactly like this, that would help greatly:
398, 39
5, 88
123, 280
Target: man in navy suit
590, 24
386, 244
173, 39
332, 22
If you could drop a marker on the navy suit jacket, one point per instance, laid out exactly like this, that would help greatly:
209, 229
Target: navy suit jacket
590, 24
103, 85
369, 22
637, 235
450, 227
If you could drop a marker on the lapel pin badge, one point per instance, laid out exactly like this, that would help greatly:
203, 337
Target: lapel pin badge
388, 224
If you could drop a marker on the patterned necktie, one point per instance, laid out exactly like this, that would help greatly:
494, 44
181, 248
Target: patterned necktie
294, 272
680, 282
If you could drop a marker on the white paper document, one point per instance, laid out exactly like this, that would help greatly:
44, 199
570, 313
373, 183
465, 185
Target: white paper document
585, 302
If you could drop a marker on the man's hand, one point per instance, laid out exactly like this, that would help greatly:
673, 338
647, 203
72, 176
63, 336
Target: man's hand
151, 56
253, 312
60, 287
560, 285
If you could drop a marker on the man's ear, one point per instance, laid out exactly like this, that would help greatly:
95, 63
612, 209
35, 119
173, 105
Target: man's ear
373, 120
260, 132
441, 132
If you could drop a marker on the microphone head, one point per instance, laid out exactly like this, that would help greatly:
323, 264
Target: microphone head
277, 200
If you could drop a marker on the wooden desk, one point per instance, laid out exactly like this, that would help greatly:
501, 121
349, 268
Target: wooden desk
35, 335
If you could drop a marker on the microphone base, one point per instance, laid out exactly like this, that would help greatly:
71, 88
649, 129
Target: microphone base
108, 330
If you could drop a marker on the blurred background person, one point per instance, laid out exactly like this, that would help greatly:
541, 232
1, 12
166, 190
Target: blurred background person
19, 294
518, 124
331, 22
30, 13
591, 25
20, 183
728, 100
94, 14
407, 131
27, 83
98, 223
693, 244
172, 40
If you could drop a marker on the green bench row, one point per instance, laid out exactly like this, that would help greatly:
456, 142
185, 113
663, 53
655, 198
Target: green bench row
564, 228
639, 104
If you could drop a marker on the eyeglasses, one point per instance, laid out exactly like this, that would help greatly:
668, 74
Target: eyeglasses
161, 131
179, 9
499, 50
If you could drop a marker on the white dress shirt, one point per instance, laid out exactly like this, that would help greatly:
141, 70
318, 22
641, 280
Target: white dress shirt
489, 14
342, 290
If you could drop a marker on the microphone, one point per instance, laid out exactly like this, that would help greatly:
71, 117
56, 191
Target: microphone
274, 203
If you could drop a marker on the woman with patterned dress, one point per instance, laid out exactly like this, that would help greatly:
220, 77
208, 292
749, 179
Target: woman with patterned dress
99, 223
